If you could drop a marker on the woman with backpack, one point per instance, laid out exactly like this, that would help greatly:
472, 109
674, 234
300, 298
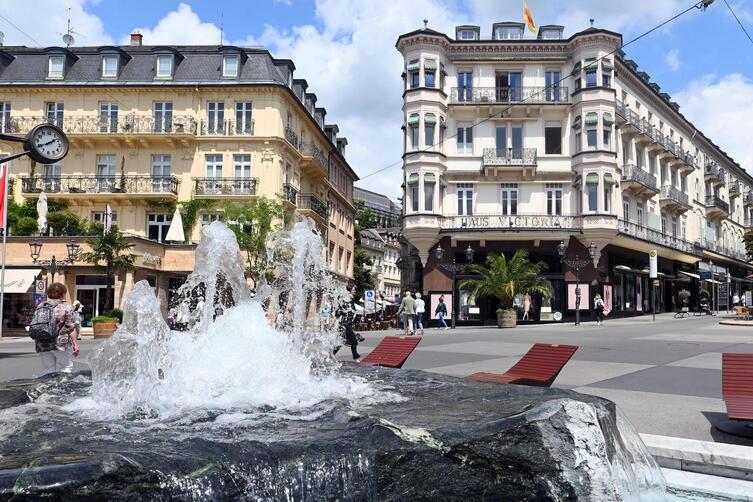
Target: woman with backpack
599, 308
53, 331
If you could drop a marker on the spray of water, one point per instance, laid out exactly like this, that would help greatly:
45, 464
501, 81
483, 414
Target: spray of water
228, 355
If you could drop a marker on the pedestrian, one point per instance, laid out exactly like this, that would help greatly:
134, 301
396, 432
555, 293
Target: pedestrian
599, 307
53, 331
346, 312
408, 310
735, 300
441, 312
418, 322
76, 318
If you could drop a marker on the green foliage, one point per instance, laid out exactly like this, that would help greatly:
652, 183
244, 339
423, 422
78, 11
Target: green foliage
252, 223
65, 223
104, 318
19, 215
365, 218
748, 240
362, 272
503, 279
189, 210
683, 294
114, 251
116, 313
25, 225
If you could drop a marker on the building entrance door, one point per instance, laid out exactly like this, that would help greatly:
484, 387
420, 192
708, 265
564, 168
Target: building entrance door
92, 299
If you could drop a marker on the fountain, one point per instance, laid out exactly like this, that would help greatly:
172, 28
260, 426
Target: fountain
230, 407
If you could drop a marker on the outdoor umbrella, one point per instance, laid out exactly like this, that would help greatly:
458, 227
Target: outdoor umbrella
175, 232
42, 212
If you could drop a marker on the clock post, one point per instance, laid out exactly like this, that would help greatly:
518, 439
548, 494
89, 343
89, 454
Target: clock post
46, 144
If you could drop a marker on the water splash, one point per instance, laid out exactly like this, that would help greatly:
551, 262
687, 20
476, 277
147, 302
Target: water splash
227, 356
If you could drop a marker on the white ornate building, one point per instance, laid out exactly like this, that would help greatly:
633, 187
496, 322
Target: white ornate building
514, 143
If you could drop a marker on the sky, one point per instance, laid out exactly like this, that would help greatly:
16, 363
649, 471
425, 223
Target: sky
345, 49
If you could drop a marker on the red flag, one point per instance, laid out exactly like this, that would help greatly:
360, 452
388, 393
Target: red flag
5, 170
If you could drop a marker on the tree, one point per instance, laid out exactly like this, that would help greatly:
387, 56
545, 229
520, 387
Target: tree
503, 279
189, 211
365, 218
113, 250
362, 271
252, 223
748, 240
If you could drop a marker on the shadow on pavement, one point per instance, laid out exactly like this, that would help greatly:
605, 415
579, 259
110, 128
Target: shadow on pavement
720, 420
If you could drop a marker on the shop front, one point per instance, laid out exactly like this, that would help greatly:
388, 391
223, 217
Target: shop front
18, 300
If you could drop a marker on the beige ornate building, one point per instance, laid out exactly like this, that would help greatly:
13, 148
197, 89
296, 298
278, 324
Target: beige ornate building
149, 124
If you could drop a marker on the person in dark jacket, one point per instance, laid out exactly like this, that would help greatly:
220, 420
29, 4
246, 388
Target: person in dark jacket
346, 312
441, 312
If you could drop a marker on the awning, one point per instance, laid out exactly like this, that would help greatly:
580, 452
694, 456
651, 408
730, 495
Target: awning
430, 64
606, 65
19, 280
576, 68
430, 178
592, 118
413, 119
413, 65
609, 179
712, 281
608, 119
576, 122
412, 179
430, 119
590, 64
592, 179
689, 274
740, 279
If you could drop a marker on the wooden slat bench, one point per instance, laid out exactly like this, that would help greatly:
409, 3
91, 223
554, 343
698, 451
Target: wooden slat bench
737, 385
392, 351
538, 367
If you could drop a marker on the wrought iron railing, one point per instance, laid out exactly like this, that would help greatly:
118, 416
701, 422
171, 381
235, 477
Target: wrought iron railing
639, 231
734, 189
721, 249
619, 108
636, 174
669, 192
748, 199
292, 137
113, 124
318, 155
314, 203
690, 160
715, 172
226, 128
507, 95
100, 184
510, 156
716, 201
290, 193
225, 186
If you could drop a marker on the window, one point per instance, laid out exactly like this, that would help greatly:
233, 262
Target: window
552, 86
163, 117
55, 69
590, 77
413, 122
465, 86
55, 113
100, 217
213, 173
508, 33
161, 170
606, 79
626, 207
592, 188
509, 198
157, 225
347, 262
215, 118
578, 142
110, 66
554, 198
430, 123
243, 184
340, 259
429, 182
663, 223
639, 212
430, 73
607, 197
108, 117
51, 177
105, 173
331, 256
5, 123
592, 119
465, 139
465, 199
607, 119
230, 66
209, 218
674, 227
244, 123
467, 35
164, 66
414, 73
553, 139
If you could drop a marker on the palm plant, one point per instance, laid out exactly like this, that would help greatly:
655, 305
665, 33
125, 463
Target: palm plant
503, 279
112, 249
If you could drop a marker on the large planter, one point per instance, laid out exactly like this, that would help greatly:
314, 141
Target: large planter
507, 319
104, 329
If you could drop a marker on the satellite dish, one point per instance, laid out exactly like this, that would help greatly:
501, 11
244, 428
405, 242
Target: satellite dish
68, 39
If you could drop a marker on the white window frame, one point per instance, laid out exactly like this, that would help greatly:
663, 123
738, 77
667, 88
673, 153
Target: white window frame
50, 60
626, 207
161, 221
509, 199
467, 35
554, 198
467, 147
99, 217
215, 118
225, 71
105, 59
244, 117
162, 60
161, 172
55, 112
465, 193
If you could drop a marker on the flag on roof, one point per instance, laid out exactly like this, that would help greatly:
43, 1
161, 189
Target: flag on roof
528, 17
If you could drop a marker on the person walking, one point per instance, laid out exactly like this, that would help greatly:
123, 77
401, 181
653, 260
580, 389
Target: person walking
418, 321
408, 310
599, 308
53, 332
441, 312
76, 318
346, 312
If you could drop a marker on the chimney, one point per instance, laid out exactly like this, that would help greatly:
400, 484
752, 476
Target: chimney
341, 142
136, 38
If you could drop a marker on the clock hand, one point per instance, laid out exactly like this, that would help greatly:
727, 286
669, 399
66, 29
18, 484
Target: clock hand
49, 142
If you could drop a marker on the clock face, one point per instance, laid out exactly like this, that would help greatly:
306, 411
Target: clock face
47, 143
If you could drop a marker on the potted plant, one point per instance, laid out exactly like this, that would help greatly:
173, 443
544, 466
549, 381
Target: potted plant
503, 279
104, 326
683, 295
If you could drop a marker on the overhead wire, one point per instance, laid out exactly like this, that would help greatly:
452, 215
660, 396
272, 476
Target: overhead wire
738, 21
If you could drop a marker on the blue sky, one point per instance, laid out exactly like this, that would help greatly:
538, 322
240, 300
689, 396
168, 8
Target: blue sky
345, 49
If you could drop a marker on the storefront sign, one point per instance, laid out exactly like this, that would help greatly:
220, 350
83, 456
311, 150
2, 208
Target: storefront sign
705, 276
511, 222
151, 260
653, 267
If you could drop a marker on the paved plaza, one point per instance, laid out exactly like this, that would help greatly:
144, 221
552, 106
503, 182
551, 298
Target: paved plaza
664, 375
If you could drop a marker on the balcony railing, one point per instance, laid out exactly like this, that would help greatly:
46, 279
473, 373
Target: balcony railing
509, 95
715, 201
634, 173
656, 236
510, 223
690, 160
225, 186
227, 128
290, 193
671, 193
619, 108
112, 124
510, 156
734, 189
100, 184
714, 172
314, 203
314, 151
291, 136
719, 248
748, 199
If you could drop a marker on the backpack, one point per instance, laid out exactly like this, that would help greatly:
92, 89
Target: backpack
43, 327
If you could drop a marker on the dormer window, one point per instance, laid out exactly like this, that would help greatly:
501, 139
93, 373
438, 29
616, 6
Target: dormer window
467, 35
508, 33
56, 66
110, 66
230, 66
164, 66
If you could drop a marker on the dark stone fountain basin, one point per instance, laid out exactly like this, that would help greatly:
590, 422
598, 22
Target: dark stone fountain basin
449, 439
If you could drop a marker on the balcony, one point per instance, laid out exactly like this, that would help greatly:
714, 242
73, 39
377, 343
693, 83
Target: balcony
619, 108
748, 223
638, 182
495, 222
718, 248
290, 194
716, 207
734, 189
227, 128
638, 231
509, 95
93, 185
317, 154
167, 125
748, 199
632, 122
312, 203
673, 199
292, 137
688, 163
714, 174
224, 186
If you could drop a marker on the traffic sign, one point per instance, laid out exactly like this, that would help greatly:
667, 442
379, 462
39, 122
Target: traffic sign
653, 268
40, 286
705, 276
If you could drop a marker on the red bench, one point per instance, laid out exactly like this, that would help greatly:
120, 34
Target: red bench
737, 385
538, 367
392, 351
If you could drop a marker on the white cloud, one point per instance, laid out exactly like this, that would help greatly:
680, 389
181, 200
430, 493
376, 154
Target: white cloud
181, 26
45, 21
721, 109
673, 59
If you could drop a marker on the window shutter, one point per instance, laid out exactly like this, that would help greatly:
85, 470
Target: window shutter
413, 65
592, 179
413, 119
430, 119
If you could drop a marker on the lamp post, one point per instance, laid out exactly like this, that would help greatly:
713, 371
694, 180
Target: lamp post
454, 268
53, 265
576, 264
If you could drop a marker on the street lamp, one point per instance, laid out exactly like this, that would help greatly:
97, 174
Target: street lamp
576, 264
454, 268
35, 250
